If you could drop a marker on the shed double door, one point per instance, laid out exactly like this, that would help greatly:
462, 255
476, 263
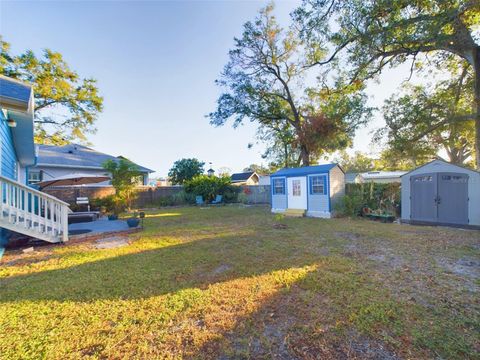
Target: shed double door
439, 197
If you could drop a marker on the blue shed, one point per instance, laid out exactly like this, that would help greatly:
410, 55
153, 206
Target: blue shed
313, 189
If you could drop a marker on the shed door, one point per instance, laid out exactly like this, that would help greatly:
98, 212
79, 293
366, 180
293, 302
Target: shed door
453, 198
440, 197
297, 193
423, 192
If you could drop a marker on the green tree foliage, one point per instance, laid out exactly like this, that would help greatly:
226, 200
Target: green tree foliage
419, 121
392, 159
208, 186
259, 169
266, 81
66, 106
358, 162
374, 34
125, 175
185, 169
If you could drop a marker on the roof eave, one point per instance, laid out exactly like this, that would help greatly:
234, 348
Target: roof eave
22, 135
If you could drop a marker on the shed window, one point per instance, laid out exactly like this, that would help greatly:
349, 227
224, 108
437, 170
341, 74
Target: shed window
317, 185
423, 179
279, 187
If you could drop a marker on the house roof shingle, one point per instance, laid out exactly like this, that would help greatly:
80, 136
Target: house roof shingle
242, 176
74, 155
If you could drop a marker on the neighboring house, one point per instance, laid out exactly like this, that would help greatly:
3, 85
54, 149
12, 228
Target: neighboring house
263, 179
313, 189
441, 193
380, 177
352, 178
161, 182
245, 178
55, 161
22, 209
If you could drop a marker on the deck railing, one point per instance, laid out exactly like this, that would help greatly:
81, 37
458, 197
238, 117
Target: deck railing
32, 212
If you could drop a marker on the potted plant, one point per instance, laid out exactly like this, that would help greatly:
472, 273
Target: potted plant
133, 221
112, 217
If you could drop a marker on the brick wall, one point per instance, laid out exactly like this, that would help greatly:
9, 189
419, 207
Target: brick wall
70, 194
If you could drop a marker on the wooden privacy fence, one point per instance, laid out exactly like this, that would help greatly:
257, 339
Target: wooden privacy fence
253, 194
257, 194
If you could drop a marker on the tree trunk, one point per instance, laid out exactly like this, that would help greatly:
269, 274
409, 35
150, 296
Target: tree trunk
304, 155
476, 68
285, 149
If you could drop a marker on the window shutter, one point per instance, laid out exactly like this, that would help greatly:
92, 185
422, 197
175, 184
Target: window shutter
325, 185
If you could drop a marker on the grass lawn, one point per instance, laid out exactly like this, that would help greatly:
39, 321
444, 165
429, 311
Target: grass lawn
229, 283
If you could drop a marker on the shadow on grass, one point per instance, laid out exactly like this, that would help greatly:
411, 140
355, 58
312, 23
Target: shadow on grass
155, 272
306, 321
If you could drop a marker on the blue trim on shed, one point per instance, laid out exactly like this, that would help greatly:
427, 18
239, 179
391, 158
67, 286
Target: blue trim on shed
286, 192
325, 183
306, 170
328, 193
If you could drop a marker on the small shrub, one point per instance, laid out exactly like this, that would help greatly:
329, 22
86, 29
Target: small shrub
242, 198
165, 201
230, 194
350, 205
183, 198
110, 203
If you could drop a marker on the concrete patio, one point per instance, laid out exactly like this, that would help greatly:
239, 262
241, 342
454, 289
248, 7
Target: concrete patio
102, 225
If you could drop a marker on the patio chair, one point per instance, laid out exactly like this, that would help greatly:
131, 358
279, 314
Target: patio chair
217, 201
199, 200
83, 201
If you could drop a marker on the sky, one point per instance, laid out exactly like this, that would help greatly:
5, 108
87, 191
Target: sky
156, 63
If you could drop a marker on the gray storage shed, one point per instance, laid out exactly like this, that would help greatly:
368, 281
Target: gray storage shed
440, 193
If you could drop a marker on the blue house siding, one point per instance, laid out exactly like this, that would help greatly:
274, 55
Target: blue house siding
8, 156
8, 168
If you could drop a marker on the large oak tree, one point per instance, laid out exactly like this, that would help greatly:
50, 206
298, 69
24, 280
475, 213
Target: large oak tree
419, 120
66, 105
269, 79
373, 34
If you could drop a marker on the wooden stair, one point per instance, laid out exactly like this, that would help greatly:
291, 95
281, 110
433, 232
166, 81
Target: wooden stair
31, 212
295, 212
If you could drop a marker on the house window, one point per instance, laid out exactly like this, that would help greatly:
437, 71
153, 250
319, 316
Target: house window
317, 185
296, 188
34, 177
279, 187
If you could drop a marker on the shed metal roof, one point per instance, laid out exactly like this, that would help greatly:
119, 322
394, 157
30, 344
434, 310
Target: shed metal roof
74, 155
372, 175
305, 170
